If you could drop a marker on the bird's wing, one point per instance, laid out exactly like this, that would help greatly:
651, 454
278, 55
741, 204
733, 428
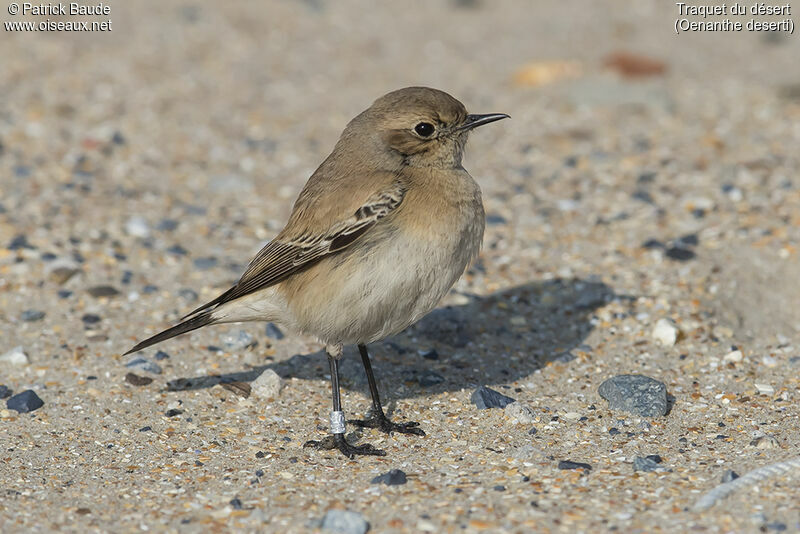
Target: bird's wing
288, 254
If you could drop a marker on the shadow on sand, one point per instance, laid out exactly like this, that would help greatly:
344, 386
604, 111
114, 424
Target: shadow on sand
490, 340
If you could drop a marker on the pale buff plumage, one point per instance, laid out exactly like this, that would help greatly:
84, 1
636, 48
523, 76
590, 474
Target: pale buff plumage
379, 234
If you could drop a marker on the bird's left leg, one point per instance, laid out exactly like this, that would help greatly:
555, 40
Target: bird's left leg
378, 419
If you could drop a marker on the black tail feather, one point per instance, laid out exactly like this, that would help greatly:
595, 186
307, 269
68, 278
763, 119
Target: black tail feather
187, 326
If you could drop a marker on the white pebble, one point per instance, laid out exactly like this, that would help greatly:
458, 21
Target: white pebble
137, 227
666, 332
15, 356
267, 385
519, 413
765, 389
733, 357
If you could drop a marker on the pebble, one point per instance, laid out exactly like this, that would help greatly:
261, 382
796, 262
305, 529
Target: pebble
569, 464
764, 389
187, 294
161, 355
61, 273
173, 412
236, 503
145, 365
647, 463
430, 378
15, 356
103, 291
90, 318
733, 356
19, 242
429, 354
267, 386
729, 476
205, 264
137, 226
177, 250
5, 392
637, 394
395, 477
666, 332
239, 340
679, 254
25, 402
167, 225
344, 522
30, 316
519, 413
484, 398
765, 442
273, 331
137, 380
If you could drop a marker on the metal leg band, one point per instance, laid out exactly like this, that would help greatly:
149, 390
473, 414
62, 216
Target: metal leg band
337, 422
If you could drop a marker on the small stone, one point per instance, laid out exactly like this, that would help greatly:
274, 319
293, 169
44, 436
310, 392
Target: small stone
680, 254
429, 354
729, 476
25, 402
64, 294
484, 398
145, 429
5, 392
637, 394
769, 361
519, 413
144, 365
240, 340
173, 412
765, 442
236, 503
395, 477
60, 274
15, 356
569, 464
273, 331
187, 294
666, 332
652, 244
161, 355
493, 219
499, 487
177, 250
733, 356
137, 226
19, 242
30, 316
90, 318
765, 389
167, 225
103, 291
137, 380
205, 264
776, 526
614, 431
647, 463
430, 378
267, 386
344, 522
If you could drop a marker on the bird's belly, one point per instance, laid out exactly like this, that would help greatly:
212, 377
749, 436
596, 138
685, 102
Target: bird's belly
386, 285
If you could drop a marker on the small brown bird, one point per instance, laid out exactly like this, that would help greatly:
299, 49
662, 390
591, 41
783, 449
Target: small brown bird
379, 234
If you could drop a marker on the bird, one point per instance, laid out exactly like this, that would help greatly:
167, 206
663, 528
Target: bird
376, 238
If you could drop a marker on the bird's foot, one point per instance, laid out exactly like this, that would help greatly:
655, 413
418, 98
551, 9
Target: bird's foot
384, 424
337, 441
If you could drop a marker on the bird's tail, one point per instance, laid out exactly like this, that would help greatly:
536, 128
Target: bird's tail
194, 323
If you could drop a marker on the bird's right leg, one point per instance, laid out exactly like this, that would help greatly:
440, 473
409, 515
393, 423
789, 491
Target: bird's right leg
337, 440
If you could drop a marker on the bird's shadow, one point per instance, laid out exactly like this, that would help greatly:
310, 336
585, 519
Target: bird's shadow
489, 340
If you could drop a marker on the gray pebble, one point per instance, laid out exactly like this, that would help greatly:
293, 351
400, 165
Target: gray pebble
344, 522
273, 331
25, 402
429, 354
729, 476
205, 264
430, 378
395, 477
189, 295
569, 464
167, 225
144, 365
177, 250
30, 316
5, 392
161, 355
647, 463
91, 318
493, 219
240, 340
19, 242
484, 398
637, 394
103, 291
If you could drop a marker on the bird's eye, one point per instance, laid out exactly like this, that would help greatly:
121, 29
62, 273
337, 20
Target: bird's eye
424, 129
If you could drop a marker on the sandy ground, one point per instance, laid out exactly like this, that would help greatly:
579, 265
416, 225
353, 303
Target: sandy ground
158, 157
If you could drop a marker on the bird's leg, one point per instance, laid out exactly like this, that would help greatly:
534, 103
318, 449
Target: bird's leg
337, 440
378, 419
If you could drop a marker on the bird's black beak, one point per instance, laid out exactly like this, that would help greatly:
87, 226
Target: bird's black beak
473, 121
